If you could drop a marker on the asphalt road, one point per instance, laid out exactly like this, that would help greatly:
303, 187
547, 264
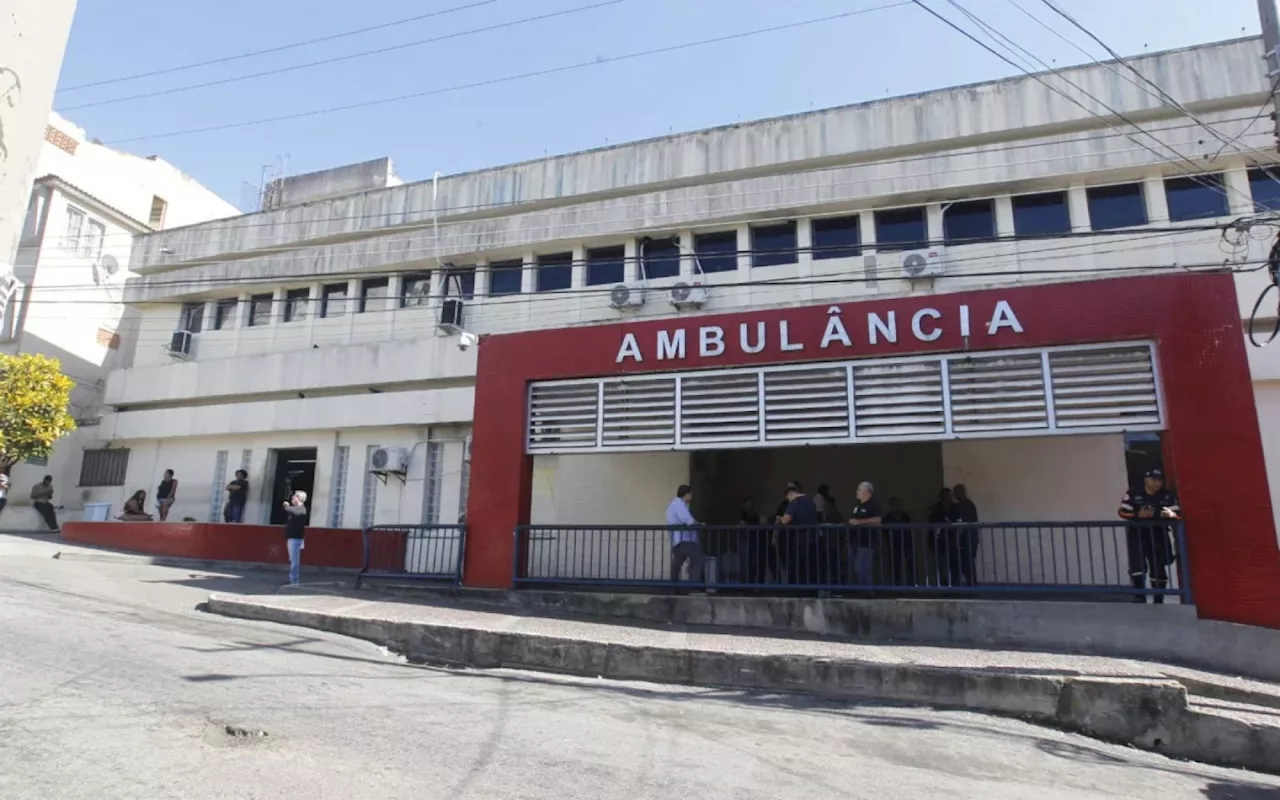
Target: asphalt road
113, 686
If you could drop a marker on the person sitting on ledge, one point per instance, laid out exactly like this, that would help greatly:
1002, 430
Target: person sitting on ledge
135, 508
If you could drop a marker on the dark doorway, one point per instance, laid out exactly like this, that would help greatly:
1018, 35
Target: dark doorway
1142, 452
295, 471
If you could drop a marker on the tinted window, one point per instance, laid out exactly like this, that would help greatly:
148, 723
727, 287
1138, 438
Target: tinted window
1120, 206
1265, 188
901, 229
373, 293
415, 290
191, 317
773, 244
555, 272
1041, 214
460, 282
295, 304
717, 252
970, 221
1196, 197
605, 265
333, 300
660, 258
223, 312
505, 277
836, 237
259, 309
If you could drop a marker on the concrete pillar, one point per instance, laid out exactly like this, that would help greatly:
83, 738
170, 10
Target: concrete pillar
933, 222
1078, 206
1157, 202
579, 278
804, 254
867, 230
482, 278
313, 308
1004, 216
1239, 194
687, 270
745, 247
529, 273
631, 265
394, 286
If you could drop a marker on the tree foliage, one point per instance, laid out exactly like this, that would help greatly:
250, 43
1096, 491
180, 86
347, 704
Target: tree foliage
34, 398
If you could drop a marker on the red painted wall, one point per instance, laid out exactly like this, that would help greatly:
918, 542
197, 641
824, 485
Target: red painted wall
254, 544
1214, 447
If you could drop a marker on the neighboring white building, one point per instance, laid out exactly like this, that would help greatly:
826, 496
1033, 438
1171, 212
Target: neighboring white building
87, 203
310, 332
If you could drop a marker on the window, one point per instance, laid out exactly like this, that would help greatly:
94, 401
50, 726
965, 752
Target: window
333, 299
555, 272
1265, 188
660, 258
1121, 206
969, 221
91, 241
295, 304
460, 282
223, 312
606, 265
901, 229
374, 293
260, 310
415, 290
1046, 214
772, 245
836, 237
505, 277
104, 467
717, 252
191, 318
75, 227
158, 207
1196, 197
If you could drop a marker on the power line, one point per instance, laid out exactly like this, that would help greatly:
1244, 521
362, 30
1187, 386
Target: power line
280, 48
510, 78
350, 57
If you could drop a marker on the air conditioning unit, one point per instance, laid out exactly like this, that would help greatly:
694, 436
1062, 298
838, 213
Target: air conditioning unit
390, 459
688, 295
180, 344
923, 263
627, 295
451, 314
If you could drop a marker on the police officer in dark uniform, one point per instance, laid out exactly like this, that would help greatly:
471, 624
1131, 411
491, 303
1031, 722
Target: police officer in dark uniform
1149, 511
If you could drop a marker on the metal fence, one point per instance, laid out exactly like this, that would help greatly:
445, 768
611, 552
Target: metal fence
414, 552
1027, 558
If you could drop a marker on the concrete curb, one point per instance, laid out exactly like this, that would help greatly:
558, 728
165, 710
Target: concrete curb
1148, 713
193, 563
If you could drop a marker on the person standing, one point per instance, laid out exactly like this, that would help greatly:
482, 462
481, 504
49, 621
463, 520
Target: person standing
801, 521
1149, 511
166, 493
237, 498
756, 545
831, 541
684, 536
902, 547
42, 500
968, 538
866, 514
941, 538
4, 490
295, 528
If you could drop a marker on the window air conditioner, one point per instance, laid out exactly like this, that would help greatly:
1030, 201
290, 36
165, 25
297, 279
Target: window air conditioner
180, 344
451, 314
923, 263
688, 295
389, 459
627, 295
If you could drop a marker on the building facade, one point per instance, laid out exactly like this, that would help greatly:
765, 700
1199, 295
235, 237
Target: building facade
87, 203
992, 284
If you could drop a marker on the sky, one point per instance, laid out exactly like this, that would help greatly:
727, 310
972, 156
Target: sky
865, 56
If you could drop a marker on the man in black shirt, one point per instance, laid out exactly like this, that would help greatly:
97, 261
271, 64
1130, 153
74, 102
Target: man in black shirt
866, 514
902, 549
964, 570
1149, 511
800, 536
237, 498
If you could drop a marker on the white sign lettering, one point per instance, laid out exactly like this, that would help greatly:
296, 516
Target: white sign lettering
756, 337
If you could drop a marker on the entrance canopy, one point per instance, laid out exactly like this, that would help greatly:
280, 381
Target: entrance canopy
1045, 391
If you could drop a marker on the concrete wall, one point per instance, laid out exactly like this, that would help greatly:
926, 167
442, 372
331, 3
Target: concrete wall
1267, 397
324, 184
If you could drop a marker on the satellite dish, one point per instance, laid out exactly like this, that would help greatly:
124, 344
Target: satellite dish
110, 265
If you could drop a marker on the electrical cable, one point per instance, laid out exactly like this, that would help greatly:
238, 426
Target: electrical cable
338, 59
1273, 271
595, 62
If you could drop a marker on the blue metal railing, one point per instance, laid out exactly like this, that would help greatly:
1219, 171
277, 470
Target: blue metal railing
414, 552
1027, 558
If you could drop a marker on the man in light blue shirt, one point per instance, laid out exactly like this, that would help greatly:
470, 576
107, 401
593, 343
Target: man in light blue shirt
684, 536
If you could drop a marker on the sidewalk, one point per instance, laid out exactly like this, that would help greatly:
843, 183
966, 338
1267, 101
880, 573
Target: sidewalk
1177, 711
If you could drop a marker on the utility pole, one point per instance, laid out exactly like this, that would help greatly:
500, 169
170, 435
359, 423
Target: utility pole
1271, 43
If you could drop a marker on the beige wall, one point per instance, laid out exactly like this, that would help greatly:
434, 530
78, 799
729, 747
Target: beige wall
1266, 395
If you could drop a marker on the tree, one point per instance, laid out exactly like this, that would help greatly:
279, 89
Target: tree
34, 397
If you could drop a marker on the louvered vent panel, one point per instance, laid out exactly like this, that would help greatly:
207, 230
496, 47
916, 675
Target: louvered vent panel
807, 404
639, 413
1105, 387
562, 416
719, 409
992, 393
898, 399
